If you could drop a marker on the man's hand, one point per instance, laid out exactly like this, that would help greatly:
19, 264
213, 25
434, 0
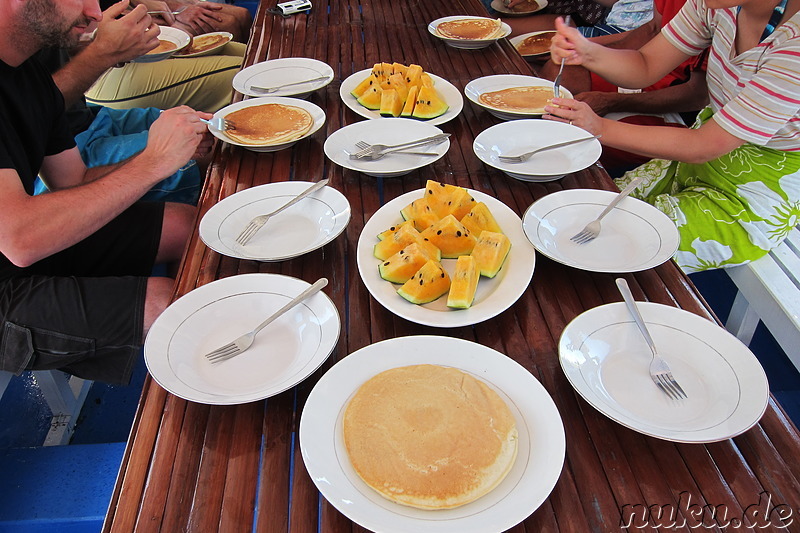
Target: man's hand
174, 139
601, 103
121, 38
199, 18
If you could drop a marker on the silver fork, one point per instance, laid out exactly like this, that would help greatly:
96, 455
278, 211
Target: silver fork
377, 149
219, 123
362, 145
270, 90
557, 81
527, 155
164, 12
234, 348
258, 222
659, 369
591, 230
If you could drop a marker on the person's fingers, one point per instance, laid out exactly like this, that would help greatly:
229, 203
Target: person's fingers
117, 9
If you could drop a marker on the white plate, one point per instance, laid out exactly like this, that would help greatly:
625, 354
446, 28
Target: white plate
498, 82
518, 136
635, 235
316, 113
309, 224
494, 295
607, 360
468, 44
341, 144
448, 92
519, 38
283, 354
179, 37
286, 70
535, 472
500, 7
208, 51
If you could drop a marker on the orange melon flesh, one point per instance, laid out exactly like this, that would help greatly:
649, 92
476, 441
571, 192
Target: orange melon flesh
420, 213
464, 283
389, 232
411, 99
490, 252
391, 104
429, 104
401, 266
480, 218
428, 284
451, 237
404, 236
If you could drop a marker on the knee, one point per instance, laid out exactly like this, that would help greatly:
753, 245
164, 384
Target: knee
176, 229
157, 298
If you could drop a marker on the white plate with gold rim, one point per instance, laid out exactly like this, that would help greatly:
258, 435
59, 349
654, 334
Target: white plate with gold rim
274, 72
494, 295
286, 352
606, 359
316, 113
449, 93
468, 44
499, 82
532, 7
536, 470
635, 235
309, 224
519, 39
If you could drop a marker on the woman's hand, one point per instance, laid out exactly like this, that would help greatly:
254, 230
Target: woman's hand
569, 44
575, 113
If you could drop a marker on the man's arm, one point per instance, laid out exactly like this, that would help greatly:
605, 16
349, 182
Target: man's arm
117, 40
35, 227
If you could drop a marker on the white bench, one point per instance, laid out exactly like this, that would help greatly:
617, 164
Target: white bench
769, 291
64, 395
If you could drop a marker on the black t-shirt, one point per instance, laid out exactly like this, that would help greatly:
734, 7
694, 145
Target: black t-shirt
32, 120
79, 115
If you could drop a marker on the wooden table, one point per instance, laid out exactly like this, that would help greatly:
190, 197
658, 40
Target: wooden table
193, 467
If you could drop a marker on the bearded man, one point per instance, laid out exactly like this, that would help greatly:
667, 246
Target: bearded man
76, 290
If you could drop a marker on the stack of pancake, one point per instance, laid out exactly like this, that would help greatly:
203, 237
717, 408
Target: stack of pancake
471, 29
536, 44
269, 124
204, 42
163, 46
518, 99
429, 436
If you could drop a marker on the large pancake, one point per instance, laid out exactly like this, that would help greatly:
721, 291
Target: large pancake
536, 44
528, 6
470, 29
518, 99
163, 46
267, 124
428, 436
204, 42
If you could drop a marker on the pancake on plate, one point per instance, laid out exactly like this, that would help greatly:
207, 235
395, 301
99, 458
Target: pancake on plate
267, 124
163, 46
429, 436
476, 29
536, 44
518, 99
201, 43
528, 6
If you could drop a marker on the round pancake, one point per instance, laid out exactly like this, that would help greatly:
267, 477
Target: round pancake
429, 436
518, 99
529, 6
267, 124
201, 43
470, 29
536, 44
163, 46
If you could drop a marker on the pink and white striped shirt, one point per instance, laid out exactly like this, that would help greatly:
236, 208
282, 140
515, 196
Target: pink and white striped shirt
754, 95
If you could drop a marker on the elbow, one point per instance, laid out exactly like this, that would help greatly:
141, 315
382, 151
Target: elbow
19, 253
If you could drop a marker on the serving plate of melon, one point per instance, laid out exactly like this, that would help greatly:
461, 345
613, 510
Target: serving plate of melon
452, 261
398, 90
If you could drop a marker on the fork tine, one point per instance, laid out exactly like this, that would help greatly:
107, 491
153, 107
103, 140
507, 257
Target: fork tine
664, 385
676, 385
222, 351
661, 386
247, 233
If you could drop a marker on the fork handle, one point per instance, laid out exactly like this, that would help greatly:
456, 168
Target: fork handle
315, 288
622, 285
618, 198
318, 185
426, 140
276, 87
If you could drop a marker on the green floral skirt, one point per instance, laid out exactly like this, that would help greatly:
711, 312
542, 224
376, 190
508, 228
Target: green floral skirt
729, 211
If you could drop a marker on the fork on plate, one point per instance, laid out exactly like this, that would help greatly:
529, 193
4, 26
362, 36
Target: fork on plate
220, 124
361, 145
660, 372
240, 344
275, 88
374, 150
527, 155
258, 222
591, 230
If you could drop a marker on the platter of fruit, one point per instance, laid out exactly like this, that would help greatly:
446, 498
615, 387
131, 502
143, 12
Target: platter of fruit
397, 90
445, 256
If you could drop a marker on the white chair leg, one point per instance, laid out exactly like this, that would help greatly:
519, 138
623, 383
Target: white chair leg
65, 395
743, 320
